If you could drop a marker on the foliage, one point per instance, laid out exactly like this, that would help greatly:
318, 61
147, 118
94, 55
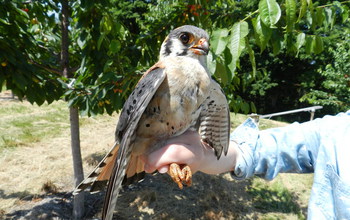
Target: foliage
98, 38
112, 42
27, 41
266, 36
335, 87
287, 27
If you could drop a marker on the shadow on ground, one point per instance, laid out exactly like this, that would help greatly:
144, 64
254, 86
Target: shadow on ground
157, 197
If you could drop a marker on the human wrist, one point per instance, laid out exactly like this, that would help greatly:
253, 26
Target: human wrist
226, 163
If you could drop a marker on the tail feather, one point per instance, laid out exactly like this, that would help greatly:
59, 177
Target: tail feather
135, 171
115, 183
100, 175
136, 165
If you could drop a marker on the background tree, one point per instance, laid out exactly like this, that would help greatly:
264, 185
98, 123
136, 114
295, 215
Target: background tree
28, 46
333, 87
130, 34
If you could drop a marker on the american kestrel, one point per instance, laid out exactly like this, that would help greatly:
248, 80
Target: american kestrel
174, 95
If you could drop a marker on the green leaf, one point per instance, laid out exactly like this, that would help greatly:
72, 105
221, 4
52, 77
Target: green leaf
4, 21
289, 42
310, 4
109, 109
245, 107
308, 18
116, 101
290, 14
251, 57
34, 94
313, 20
119, 28
300, 41
107, 66
211, 63
302, 10
218, 41
108, 77
328, 17
270, 12
319, 16
236, 42
20, 11
85, 109
48, 93
308, 44
100, 40
72, 102
20, 81
106, 25
276, 41
333, 18
115, 46
81, 42
345, 13
262, 33
222, 73
101, 94
252, 107
317, 44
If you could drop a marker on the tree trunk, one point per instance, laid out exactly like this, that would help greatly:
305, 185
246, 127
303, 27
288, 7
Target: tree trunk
78, 204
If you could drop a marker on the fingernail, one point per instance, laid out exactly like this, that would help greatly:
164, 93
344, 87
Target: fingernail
163, 170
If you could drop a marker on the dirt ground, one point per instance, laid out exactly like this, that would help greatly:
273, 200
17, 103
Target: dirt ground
36, 183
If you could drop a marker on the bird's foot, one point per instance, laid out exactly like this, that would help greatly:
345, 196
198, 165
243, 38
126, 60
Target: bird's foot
180, 175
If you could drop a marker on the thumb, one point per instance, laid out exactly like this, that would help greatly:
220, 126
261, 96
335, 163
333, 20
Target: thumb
163, 169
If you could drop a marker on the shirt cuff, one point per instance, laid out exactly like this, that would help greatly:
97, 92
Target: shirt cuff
245, 136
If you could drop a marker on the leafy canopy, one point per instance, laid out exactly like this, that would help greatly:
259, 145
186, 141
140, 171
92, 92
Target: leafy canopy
112, 42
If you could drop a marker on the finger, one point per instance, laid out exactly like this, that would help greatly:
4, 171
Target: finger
169, 154
152, 160
163, 169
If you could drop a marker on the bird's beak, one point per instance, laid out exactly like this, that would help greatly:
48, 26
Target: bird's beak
201, 47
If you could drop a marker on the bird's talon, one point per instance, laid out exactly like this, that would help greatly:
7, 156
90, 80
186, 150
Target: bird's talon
186, 171
180, 185
179, 175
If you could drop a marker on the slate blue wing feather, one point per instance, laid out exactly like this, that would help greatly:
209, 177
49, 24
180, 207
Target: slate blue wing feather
138, 99
128, 121
214, 120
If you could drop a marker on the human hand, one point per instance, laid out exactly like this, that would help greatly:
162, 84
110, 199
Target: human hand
188, 149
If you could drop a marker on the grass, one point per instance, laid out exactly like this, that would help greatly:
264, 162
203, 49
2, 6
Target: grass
35, 157
274, 200
35, 153
24, 124
237, 119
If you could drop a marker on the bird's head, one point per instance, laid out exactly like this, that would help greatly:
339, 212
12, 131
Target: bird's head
186, 40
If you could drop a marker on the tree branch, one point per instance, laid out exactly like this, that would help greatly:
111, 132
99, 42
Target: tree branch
324, 6
250, 15
52, 70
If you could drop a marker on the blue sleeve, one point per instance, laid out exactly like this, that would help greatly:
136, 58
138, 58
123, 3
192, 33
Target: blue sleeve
320, 146
266, 153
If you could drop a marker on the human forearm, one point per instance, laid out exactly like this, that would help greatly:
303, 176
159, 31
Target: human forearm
190, 150
266, 153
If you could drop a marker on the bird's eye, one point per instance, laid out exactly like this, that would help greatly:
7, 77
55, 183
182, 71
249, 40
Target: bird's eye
185, 38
